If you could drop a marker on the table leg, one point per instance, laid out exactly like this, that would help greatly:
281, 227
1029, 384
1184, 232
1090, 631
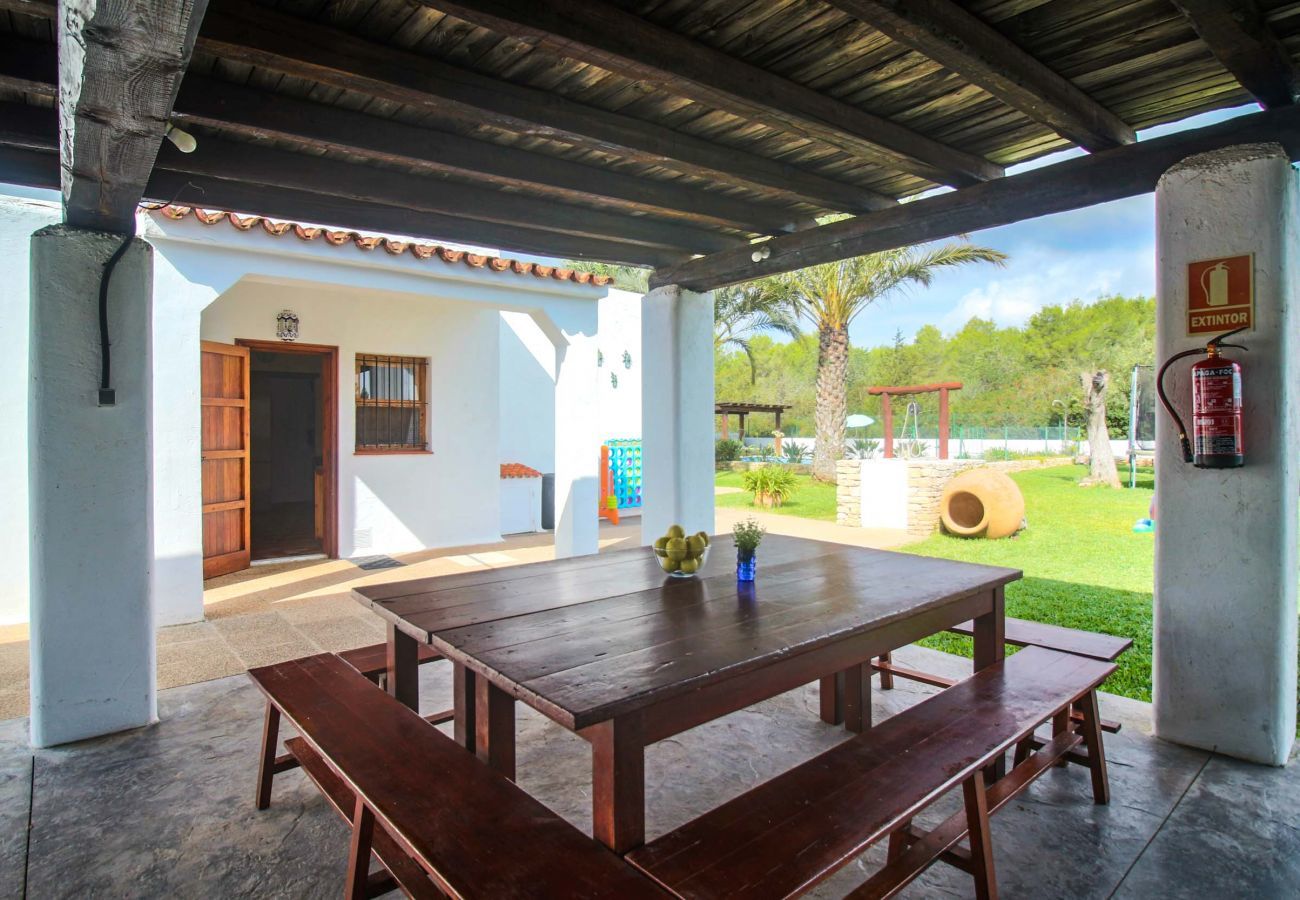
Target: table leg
831, 692
857, 697
618, 783
990, 632
464, 699
991, 647
494, 732
403, 667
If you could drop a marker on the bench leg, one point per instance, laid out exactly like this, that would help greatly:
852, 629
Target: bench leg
266, 763
1096, 754
363, 828
899, 841
887, 678
981, 842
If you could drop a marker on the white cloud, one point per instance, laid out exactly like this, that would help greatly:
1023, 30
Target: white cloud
1039, 276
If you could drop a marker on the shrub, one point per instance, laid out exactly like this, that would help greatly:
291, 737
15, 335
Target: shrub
864, 448
770, 485
727, 451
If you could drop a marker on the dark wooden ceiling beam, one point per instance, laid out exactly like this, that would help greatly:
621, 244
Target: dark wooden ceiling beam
187, 189
259, 36
1073, 184
30, 167
32, 67
260, 115
979, 53
32, 127
39, 167
120, 65
626, 44
1240, 39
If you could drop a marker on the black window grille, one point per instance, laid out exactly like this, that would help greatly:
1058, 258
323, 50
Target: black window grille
391, 405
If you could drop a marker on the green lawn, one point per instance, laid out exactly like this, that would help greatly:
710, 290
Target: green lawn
1084, 566
812, 500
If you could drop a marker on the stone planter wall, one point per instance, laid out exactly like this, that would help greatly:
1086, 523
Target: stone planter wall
926, 479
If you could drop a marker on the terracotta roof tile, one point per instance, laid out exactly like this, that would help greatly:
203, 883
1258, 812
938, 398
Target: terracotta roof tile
518, 470
393, 247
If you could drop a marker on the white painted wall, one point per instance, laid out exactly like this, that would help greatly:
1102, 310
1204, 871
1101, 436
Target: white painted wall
19, 218
884, 493
1225, 591
406, 502
620, 332
527, 409
528, 381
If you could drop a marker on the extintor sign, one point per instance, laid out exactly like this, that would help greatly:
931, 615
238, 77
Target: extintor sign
1221, 294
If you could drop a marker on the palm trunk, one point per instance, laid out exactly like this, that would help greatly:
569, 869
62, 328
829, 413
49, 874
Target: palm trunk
832, 387
1101, 459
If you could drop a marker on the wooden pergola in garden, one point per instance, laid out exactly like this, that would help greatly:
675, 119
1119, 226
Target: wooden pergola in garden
887, 410
702, 139
742, 411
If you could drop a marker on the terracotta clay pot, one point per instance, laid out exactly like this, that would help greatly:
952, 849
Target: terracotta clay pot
982, 503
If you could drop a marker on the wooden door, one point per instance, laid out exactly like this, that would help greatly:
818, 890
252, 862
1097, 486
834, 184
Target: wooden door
226, 497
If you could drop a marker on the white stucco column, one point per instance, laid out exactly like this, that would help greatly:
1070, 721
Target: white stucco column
1225, 593
92, 634
577, 435
676, 411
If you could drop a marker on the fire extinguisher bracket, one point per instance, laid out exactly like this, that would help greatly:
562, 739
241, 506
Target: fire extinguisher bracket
1217, 426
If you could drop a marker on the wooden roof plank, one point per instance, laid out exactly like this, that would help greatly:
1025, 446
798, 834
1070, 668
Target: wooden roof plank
31, 66
604, 35
259, 36
1073, 184
1242, 41
960, 41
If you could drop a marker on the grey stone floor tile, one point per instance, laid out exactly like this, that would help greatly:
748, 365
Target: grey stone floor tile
167, 811
1235, 834
15, 797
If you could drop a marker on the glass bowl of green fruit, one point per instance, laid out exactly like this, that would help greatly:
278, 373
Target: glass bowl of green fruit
682, 555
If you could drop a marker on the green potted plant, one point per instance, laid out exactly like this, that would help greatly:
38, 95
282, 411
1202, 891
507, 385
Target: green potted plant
748, 535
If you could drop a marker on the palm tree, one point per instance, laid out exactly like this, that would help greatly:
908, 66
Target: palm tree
829, 296
742, 310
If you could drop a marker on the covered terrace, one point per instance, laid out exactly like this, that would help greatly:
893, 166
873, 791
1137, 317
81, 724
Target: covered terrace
706, 141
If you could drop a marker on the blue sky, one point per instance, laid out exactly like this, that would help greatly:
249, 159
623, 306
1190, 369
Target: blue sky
1084, 255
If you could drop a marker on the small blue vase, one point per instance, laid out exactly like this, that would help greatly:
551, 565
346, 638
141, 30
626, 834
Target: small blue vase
746, 566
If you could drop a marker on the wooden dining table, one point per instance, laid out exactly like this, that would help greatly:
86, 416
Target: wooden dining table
610, 648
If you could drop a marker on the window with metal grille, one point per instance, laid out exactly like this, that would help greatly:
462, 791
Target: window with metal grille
391, 406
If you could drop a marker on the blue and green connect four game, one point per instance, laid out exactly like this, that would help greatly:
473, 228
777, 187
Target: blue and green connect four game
625, 463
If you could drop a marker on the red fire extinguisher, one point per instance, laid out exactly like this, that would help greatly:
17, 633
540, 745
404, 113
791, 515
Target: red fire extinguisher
1216, 407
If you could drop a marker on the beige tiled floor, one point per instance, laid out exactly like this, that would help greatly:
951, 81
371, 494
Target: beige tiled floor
280, 611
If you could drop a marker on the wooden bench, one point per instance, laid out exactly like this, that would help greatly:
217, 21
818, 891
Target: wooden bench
1021, 633
372, 662
787, 835
437, 818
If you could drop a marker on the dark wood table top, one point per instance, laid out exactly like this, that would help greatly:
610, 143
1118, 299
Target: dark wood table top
590, 638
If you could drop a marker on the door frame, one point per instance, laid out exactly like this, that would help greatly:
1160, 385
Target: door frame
330, 441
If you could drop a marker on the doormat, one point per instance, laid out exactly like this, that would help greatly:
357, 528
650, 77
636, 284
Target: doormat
372, 563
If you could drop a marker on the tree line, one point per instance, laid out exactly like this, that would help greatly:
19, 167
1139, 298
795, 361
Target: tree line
1012, 376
